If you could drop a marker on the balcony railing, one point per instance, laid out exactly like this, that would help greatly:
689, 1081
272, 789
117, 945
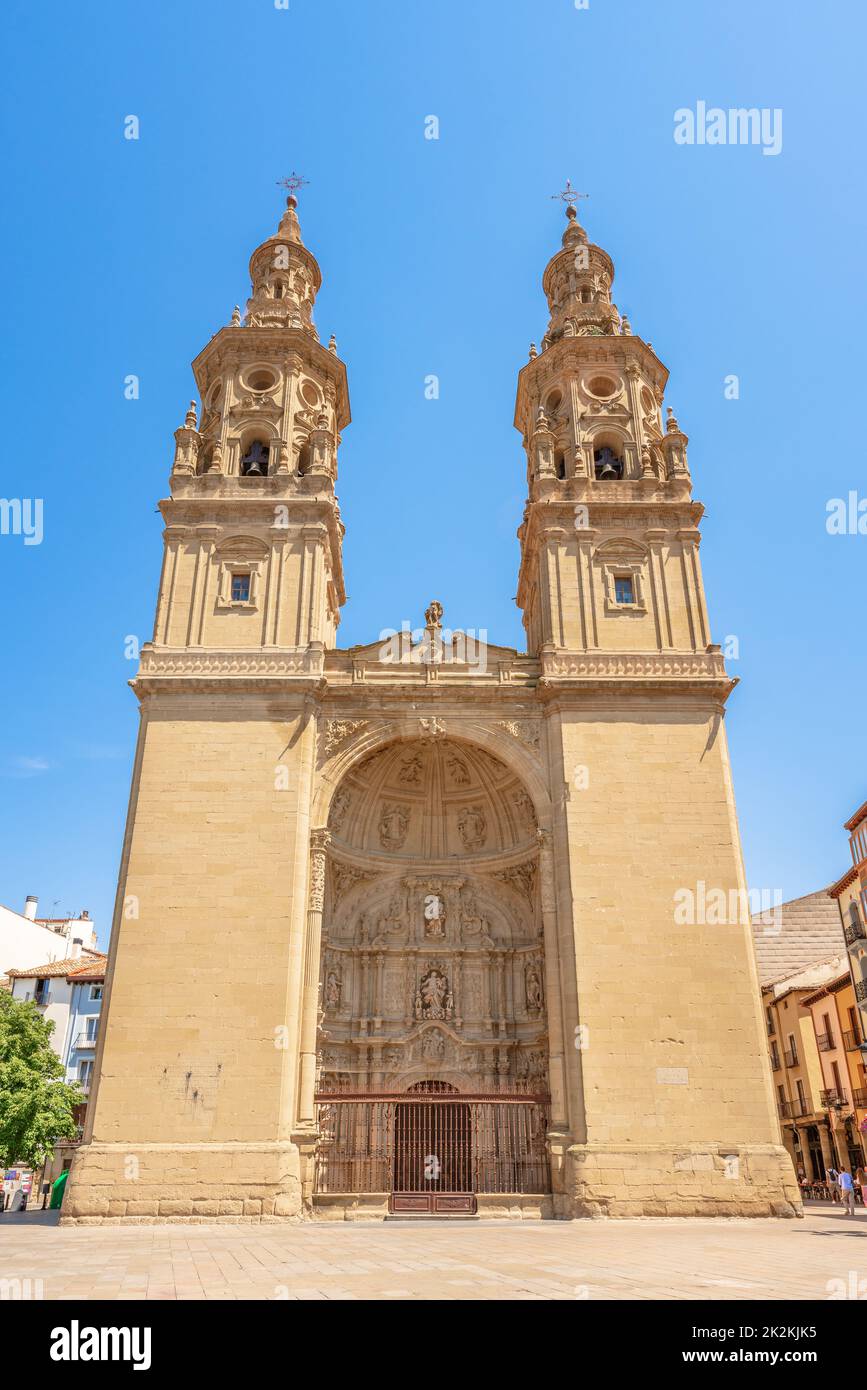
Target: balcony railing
85, 1040
794, 1109
831, 1099
775, 1061
791, 1057
854, 931
771, 1027
825, 1042
861, 990
76, 1138
860, 1098
851, 1041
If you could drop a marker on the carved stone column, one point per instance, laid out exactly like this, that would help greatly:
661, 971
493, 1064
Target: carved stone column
501, 991
319, 842
377, 991
556, 1059
364, 993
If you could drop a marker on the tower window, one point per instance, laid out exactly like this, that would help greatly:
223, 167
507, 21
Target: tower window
241, 588
624, 588
254, 464
560, 463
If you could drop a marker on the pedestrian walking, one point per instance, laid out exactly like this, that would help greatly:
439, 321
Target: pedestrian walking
861, 1179
847, 1191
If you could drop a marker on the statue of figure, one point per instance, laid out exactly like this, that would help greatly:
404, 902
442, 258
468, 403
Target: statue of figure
472, 827
433, 614
534, 989
434, 916
393, 826
474, 927
332, 990
411, 770
393, 922
339, 808
433, 1046
433, 990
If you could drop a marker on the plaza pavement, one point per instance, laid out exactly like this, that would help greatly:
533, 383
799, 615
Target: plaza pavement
669, 1259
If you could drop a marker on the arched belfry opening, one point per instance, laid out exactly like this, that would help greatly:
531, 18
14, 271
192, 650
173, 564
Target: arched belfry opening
432, 1057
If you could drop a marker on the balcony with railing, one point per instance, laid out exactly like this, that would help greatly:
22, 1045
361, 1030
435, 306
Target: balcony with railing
84, 1040
861, 991
832, 1099
790, 1057
775, 1060
859, 1098
794, 1109
852, 1040
854, 931
825, 1042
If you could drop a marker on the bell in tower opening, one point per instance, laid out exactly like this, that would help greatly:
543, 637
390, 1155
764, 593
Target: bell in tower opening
607, 464
254, 464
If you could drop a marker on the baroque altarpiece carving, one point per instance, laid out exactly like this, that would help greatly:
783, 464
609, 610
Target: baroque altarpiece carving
432, 959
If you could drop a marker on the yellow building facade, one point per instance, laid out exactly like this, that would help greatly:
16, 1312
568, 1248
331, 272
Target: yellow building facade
424, 925
843, 1092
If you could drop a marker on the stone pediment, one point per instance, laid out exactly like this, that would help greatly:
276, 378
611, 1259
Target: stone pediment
417, 649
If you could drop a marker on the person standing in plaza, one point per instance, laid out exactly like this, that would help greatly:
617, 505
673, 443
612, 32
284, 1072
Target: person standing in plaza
861, 1180
847, 1191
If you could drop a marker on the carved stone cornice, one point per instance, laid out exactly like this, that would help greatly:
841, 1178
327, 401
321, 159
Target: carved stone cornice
639, 666
181, 661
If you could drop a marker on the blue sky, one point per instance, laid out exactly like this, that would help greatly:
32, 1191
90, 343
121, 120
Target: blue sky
125, 256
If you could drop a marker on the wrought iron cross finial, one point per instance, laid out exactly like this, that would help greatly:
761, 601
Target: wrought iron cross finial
293, 183
569, 195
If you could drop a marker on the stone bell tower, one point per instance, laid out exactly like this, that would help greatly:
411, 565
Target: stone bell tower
211, 912
588, 408
252, 511
676, 1114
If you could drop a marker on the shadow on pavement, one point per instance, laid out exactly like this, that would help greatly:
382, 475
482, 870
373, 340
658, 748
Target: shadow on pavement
29, 1218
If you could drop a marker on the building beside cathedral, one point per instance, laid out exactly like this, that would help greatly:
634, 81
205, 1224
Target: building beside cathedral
450, 976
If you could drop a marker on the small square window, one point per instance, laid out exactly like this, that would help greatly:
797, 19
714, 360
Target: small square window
624, 589
240, 588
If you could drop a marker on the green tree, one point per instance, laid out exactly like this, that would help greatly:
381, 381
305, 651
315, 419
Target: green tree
36, 1104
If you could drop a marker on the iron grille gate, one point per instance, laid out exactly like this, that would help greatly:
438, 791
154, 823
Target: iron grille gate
432, 1150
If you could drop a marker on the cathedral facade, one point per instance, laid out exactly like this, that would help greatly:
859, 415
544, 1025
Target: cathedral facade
396, 926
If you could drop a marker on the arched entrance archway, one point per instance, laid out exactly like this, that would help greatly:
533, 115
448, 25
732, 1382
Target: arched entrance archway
432, 976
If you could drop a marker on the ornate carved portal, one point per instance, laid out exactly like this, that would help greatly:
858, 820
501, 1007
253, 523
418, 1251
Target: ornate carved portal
432, 962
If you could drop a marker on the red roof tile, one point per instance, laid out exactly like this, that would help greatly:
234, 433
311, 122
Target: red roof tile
50, 970
858, 816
